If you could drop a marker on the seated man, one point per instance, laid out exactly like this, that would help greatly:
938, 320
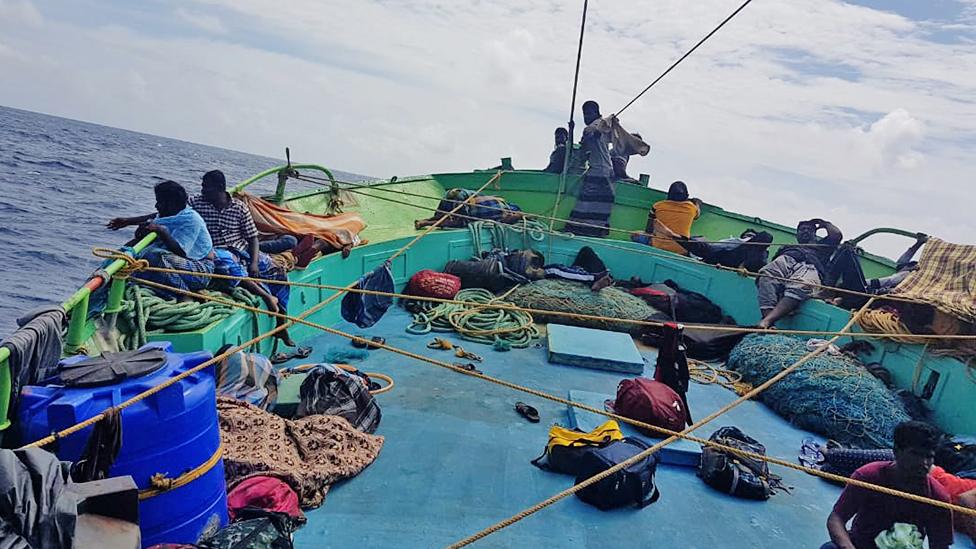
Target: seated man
492, 208
182, 242
796, 271
671, 219
874, 512
232, 228
558, 155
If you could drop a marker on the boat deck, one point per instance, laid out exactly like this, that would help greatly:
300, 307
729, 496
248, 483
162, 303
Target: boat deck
456, 460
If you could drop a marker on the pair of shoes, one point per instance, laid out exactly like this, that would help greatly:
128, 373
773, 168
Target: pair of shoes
285, 356
373, 343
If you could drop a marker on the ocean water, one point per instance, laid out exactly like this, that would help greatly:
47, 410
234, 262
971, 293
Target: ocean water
61, 180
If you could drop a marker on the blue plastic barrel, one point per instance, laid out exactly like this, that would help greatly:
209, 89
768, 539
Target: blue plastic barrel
173, 431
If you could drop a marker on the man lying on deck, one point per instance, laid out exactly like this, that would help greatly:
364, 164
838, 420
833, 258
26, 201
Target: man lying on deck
749, 251
182, 241
844, 271
873, 512
492, 208
803, 267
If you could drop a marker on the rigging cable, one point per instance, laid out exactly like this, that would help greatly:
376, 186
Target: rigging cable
682, 58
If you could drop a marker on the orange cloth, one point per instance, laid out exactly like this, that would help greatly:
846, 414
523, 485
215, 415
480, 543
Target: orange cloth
676, 216
337, 230
953, 484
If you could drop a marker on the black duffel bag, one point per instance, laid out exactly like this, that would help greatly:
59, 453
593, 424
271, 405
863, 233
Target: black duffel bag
633, 485
740, 476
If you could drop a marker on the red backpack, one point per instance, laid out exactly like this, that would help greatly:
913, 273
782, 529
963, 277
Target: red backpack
651, 402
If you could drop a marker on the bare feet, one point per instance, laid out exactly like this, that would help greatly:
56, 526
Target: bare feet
601, 283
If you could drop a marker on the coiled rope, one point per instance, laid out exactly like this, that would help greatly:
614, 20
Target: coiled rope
474, 322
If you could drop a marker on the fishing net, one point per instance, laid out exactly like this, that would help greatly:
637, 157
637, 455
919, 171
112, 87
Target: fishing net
832, 394
574, 297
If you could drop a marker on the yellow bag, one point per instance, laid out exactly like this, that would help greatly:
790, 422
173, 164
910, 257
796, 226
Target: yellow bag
565, 446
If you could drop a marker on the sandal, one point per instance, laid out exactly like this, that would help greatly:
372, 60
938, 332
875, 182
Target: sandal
528, 412
298, 352
467, 367
461, 353
360, 342
375, 342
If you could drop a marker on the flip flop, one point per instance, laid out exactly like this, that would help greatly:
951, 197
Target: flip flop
360, 343
376, 341
467, 367
528, 412
298, 352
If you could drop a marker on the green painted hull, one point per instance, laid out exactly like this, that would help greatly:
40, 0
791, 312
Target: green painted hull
390, 225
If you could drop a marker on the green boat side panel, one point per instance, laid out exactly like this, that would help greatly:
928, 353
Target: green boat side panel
589, 348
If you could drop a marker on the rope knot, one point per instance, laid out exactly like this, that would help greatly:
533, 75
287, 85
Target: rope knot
132, 264
161, 482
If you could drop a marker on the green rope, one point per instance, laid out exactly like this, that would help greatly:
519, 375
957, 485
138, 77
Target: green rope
142, 311
499, 327
529, 229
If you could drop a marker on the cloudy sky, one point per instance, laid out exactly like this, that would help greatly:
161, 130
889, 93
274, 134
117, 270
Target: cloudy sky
860, 112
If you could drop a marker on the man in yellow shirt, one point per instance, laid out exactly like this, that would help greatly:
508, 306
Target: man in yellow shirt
676, 214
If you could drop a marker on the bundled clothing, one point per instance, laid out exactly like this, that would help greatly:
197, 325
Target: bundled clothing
189, 230
587, 267
478, 206
309, 453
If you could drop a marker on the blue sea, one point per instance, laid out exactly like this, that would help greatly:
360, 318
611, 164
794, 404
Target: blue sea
61, 180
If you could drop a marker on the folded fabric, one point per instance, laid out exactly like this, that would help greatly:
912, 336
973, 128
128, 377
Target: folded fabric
268, 493
249, 377
309, 453
338, 231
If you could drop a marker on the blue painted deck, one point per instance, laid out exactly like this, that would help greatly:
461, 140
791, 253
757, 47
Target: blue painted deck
456, 459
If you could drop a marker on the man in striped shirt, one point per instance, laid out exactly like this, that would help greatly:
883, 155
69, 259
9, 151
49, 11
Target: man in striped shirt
228, 220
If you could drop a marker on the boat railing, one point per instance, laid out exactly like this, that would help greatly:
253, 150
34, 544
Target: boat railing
76, 307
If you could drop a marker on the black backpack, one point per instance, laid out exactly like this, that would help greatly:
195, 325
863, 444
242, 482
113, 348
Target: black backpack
740, 476
633, 485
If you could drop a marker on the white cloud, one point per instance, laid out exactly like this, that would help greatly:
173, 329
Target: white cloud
795, 109
20, 12
202, 21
